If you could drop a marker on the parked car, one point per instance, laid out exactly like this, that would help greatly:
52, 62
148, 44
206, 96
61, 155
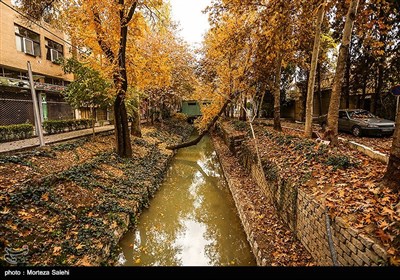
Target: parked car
361, 122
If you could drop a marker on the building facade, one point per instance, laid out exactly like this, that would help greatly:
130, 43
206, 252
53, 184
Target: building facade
21, 41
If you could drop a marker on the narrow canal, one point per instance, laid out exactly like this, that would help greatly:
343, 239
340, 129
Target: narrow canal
192, 220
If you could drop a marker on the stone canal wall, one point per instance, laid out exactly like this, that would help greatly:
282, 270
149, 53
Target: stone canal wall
305, 216
244, 207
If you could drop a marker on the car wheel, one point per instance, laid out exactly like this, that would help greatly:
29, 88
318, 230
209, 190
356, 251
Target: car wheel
356, 131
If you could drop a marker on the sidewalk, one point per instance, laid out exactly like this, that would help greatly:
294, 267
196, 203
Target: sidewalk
49, 139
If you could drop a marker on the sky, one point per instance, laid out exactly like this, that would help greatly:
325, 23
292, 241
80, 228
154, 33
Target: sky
193, 23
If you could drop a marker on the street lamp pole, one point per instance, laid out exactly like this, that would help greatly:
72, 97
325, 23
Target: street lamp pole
38, 123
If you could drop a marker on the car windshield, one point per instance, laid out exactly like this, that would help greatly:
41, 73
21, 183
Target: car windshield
361, 115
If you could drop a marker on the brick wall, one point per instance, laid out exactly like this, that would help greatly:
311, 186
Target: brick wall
306, 216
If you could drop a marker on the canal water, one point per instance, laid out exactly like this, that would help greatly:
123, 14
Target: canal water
192, 220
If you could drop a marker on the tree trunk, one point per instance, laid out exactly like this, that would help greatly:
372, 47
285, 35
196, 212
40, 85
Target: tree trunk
378, 89
364, 89
135, 125
124, 147
92, 113
122, 136
347, 77
243, 110
381, 61
209, 126
319, 89
232, 111
259, 113
392, 175
277, 92
334, 104
311, 79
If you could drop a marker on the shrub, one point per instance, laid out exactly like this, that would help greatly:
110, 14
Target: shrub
58, 126
239, 125
83, 123
342, 162
15, 132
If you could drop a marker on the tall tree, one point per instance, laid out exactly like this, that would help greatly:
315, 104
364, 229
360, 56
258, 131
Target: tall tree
311, 79
334, 104
103, 28
117, 56
392, 175
276, 86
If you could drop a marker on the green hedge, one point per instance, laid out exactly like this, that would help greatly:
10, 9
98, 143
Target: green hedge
58, 126
15, 132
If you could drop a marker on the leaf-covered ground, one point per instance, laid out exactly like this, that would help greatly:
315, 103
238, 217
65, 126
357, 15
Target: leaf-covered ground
345, 180
70, 203
378, 143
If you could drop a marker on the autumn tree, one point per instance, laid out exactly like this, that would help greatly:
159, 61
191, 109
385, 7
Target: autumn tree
311, 79
162, 66
370, 67
265, 29
392, 175
334, 104
377, 32
103, 27
223, 69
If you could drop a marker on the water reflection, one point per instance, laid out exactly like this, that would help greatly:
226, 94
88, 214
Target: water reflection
192, 220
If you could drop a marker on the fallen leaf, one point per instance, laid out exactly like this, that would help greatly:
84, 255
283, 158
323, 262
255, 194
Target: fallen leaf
383, 224
84, 261
385, 238
391, 251
45, 196
5, 211
56, 250
388, 212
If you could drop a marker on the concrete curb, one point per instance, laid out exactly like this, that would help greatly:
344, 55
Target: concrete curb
384, 158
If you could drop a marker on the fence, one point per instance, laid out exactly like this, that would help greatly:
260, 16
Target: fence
17, 108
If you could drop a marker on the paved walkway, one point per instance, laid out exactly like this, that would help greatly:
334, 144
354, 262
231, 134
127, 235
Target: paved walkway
34, 142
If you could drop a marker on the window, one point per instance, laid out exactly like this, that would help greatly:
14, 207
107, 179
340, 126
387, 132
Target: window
53, 81
192, 103
5, 72
27, 41
54, 50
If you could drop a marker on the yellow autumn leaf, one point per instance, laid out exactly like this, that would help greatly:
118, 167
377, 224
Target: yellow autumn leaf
56, 249
45, 196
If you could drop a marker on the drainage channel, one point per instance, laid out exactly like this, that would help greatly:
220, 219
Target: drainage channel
192, 220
